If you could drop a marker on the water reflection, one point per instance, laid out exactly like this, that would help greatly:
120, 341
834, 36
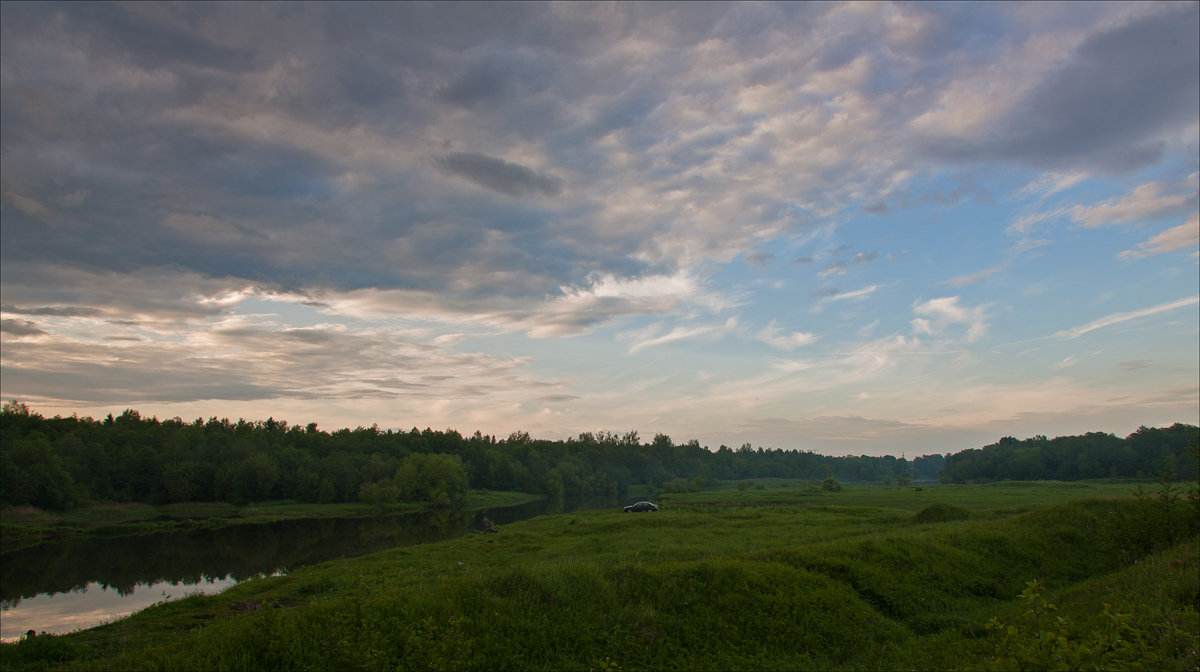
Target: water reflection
79, 583
95, 604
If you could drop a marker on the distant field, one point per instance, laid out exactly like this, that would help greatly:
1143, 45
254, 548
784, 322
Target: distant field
866, 578
1003, 496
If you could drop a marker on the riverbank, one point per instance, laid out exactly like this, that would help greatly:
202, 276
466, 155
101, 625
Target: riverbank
765, 585
21, 527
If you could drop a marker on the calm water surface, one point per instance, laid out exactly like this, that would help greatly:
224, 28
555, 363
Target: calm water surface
80, 583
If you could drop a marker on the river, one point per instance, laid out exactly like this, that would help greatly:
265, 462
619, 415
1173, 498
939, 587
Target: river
79, 583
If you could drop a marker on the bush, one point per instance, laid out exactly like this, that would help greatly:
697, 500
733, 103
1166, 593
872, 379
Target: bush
941, 513
683, 485
831, 485
1041, 640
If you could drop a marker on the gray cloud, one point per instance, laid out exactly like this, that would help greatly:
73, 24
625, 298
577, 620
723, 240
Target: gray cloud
258, 361
498, 175
137, 32
162, 296
301, 135
861, 258
146, 373
20, 328
345, 201
65, 311
759, 259
155, 153
1109, 104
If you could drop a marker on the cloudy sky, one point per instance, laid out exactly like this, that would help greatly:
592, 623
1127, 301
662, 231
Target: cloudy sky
853, 229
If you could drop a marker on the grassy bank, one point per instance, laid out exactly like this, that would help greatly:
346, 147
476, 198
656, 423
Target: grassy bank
857, 580
26, 526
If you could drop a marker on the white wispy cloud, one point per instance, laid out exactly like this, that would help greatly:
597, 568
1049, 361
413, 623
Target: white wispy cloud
938, 314
856, 294
1050, 183
653, 335
1148, 202
1117, 318
1180, 237
1026, 244
972, 278
572, 311
775, 337
1025, 223
832, 294
1069, 360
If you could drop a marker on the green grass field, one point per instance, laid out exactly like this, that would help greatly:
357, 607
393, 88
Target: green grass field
778, 578
991, 499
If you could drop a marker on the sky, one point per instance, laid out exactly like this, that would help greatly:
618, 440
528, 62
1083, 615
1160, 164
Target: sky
846, 228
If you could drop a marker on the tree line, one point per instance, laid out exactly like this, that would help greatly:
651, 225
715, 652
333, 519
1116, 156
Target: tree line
65, 462
1152, 453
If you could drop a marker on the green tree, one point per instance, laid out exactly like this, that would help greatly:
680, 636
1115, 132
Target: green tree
35, 475
256, 476
552, 484
383, 491
434, 478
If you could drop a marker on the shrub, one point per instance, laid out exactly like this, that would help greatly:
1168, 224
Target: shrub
1041, 640
683, 485
941, 513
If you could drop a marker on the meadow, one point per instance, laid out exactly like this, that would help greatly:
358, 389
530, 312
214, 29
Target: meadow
786, 576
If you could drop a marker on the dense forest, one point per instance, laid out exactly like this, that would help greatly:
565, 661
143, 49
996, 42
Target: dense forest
65, 462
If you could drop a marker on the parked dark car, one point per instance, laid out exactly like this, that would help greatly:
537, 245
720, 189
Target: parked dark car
640, 506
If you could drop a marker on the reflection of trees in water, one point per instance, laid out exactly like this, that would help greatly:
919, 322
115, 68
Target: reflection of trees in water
240, 552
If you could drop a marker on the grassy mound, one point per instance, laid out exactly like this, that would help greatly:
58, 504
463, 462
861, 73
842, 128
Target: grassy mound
939, 512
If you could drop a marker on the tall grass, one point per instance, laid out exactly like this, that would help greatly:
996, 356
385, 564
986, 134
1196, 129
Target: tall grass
690, 587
